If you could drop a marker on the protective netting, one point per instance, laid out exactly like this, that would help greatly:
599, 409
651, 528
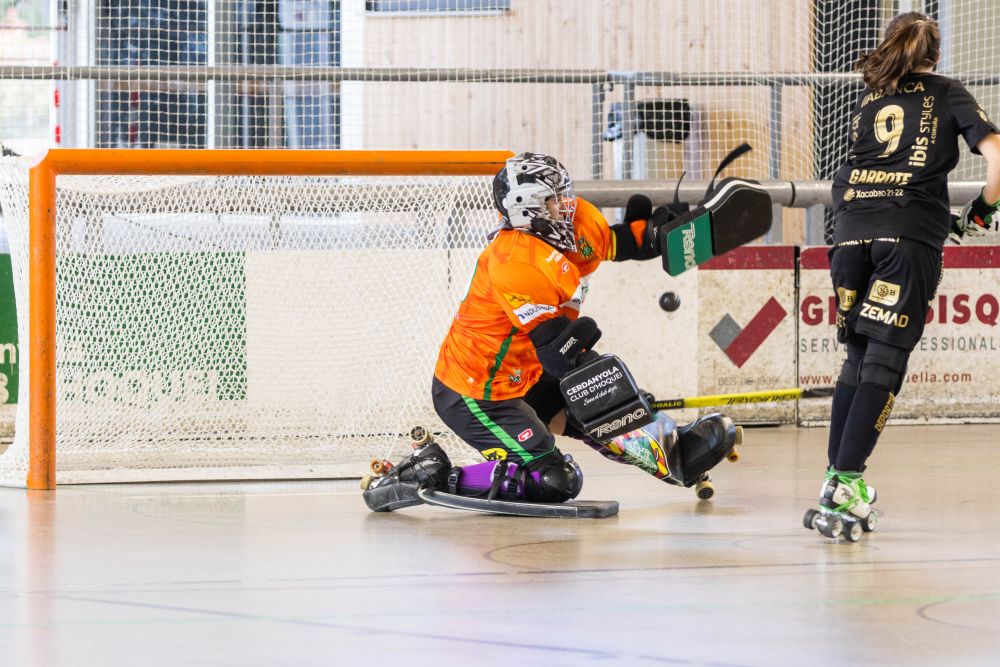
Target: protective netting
245, 327
626, 89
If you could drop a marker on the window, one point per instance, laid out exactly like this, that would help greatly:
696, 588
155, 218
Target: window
147, 33
437, 6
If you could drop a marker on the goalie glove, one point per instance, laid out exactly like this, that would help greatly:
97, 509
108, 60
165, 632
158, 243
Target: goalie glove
560, 343
632, 240
978, 217
637, 237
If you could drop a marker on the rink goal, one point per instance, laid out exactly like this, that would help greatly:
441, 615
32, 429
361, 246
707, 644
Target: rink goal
224, 314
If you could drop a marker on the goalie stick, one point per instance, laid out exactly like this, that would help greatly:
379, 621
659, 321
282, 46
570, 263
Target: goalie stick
769, 396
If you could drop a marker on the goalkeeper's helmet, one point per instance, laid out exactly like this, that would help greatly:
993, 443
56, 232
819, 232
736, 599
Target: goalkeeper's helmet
534, 194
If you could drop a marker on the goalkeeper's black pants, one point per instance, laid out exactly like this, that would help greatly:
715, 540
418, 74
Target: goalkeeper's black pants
514, 430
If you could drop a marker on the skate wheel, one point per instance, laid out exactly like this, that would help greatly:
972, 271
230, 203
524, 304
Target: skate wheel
379, 466
366, 482
419, 435
852, 531
734, 455
705, 489
739, 437
830, 526
809, 520
869, 522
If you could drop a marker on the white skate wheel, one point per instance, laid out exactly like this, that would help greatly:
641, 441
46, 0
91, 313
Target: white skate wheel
852, 531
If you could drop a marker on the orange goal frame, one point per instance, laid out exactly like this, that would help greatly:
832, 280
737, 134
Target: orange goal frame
201, 162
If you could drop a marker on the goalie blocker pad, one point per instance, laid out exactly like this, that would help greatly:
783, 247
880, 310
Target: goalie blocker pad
604, 398
737, 212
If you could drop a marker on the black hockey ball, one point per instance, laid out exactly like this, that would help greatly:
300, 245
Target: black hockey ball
669, 301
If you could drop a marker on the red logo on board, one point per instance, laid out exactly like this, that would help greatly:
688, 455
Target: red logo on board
739, 343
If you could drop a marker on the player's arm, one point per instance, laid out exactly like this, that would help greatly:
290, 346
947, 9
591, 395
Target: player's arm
989, 148
531, 302
979, 215
732, 213
635, 236
980, 133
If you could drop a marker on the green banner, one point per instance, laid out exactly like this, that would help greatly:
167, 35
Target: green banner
151, 327
8, 334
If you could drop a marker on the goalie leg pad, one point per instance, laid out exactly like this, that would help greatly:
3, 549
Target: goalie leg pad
604, 398
737, 212
556, 480
606, 451
653, 448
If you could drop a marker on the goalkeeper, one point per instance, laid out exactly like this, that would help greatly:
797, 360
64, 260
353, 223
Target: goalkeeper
517, 332
891, 221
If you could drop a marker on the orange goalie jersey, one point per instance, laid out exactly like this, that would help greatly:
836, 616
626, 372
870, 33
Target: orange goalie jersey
519, 282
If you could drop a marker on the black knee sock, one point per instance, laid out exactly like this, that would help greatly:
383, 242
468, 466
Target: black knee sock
843, 395
869, 412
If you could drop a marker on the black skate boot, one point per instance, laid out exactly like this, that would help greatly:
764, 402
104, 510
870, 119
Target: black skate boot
703, 443
396, 488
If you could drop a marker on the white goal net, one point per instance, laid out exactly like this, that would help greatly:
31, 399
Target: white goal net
243, 327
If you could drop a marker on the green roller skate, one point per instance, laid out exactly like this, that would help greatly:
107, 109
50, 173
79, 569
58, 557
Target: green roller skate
844, 507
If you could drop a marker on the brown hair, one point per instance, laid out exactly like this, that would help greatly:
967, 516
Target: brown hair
912, 40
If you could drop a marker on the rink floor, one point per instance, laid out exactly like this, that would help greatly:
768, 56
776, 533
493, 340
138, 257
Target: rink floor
301, 573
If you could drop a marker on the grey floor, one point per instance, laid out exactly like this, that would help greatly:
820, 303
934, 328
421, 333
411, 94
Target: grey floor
301, 573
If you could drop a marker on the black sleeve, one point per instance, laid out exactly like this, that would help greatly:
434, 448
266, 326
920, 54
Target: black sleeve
625, 246
971, 120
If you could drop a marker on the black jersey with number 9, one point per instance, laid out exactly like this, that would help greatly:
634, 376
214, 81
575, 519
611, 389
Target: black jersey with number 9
894, 182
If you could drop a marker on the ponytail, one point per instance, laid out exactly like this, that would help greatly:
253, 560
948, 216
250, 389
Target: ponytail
912, 41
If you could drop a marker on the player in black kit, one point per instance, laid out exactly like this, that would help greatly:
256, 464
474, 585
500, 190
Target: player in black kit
892, 217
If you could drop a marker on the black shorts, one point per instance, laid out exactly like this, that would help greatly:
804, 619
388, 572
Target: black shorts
508, 430
884, 289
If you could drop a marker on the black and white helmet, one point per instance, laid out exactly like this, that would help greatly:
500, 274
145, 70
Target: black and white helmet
534, 193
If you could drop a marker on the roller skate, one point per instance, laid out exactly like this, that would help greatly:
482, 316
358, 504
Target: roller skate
703, 444
844, 507
391, 487
680, 455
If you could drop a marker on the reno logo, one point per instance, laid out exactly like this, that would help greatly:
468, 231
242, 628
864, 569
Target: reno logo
687, 236
739, 343
609, 429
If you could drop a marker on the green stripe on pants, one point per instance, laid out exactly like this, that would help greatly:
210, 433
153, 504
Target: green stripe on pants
509, 442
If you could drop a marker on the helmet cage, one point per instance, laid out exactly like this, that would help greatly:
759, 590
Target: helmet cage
535, 194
